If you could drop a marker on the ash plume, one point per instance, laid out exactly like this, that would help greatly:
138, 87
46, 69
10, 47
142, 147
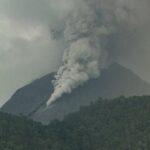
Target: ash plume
96, 32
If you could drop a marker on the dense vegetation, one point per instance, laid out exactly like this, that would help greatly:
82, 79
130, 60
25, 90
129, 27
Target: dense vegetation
119, 124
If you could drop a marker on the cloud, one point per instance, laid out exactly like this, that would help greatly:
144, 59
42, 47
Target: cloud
95, 28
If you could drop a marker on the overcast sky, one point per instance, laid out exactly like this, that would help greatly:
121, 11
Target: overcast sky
27, 50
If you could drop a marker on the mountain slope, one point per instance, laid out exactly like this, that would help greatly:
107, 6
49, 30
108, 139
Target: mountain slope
29, 97
113, 82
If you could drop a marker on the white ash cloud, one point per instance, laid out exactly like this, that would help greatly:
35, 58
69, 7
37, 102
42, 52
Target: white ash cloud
89, 31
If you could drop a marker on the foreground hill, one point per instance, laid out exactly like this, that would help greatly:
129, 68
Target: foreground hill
119, 124
114, 81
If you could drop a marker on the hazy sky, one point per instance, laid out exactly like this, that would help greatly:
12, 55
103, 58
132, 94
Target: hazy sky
27, 50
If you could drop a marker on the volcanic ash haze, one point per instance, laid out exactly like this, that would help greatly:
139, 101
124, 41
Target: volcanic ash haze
97, 32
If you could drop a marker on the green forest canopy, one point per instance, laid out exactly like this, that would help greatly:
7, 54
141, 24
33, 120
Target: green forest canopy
118, 124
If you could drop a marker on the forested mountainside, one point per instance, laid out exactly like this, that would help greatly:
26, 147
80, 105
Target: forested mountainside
118, 124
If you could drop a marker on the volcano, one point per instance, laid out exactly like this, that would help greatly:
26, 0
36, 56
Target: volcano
114, 81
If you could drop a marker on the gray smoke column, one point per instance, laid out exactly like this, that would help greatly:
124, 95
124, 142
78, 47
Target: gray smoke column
88, 31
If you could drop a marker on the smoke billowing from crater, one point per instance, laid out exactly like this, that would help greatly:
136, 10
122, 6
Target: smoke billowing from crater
97, 32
